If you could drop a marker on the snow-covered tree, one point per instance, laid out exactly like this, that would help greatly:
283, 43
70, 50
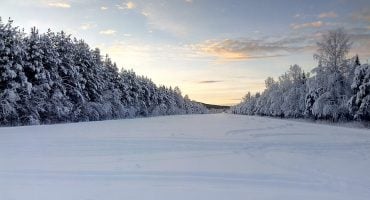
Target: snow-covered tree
328, 96
52, 78
359, 104
294, 92
337, 90
282, 98
14, 85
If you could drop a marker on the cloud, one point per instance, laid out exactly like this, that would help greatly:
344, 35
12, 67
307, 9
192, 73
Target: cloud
146, 14
328, 15
127, 5
316, 24
59, 4
108, 32
210, 81
304, 16
130, 5
164, 23
87, 26
362, 15
44, 3
244, 49
297, 15
189, 1
361, 41
103, 8
173, 21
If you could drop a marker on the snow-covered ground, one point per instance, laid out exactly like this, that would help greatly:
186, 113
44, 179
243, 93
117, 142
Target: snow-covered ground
215, 156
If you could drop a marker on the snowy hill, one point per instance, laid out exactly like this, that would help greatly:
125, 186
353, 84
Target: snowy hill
217, 156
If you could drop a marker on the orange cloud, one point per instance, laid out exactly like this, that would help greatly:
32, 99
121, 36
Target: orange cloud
59, 4
316, 24
244, 49
129, 5
328, 15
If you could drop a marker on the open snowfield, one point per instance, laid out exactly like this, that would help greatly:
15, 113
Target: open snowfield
216, 156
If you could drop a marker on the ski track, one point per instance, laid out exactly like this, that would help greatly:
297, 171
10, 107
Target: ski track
207, 155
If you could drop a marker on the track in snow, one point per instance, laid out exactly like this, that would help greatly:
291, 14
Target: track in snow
217, 156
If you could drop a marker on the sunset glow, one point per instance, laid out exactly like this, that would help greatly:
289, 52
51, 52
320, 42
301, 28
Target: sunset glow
215, 51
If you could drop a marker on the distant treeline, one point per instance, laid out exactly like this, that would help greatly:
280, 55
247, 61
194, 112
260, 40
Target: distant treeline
337, 89
52, 78
212, 106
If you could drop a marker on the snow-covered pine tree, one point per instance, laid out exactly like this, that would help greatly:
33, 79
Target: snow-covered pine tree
51, 78
14, 85
58, 106
39, 77
68, 70
359, 104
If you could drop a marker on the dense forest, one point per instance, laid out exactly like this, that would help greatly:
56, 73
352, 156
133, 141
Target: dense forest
337, 89
53, 78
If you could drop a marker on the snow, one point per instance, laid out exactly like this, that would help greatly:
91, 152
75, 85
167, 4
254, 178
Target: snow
213, 156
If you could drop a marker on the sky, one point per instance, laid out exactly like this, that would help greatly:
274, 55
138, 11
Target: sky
214, 50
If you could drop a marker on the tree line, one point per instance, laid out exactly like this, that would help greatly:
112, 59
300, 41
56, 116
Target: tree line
53, 78
338, 88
